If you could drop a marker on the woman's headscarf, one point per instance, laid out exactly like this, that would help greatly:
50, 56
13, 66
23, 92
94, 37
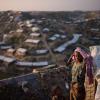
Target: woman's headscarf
88, 62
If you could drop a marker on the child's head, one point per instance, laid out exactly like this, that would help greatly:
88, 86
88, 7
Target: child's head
56, 91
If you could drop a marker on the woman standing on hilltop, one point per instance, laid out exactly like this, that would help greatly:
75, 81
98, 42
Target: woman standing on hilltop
82, 67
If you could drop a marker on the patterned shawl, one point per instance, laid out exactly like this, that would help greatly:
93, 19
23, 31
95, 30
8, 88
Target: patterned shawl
88, 62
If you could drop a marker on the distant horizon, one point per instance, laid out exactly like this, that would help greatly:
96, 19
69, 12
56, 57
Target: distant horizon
50, 10
49, 5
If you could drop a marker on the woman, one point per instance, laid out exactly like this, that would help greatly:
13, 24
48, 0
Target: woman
82, 66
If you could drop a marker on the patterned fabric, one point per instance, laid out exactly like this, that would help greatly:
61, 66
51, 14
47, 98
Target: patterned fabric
88, 62
90, 90
76, 71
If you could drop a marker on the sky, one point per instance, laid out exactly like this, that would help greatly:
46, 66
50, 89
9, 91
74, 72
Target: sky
49, 5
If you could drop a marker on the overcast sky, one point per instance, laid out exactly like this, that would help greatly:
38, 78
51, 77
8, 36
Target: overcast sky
50, 5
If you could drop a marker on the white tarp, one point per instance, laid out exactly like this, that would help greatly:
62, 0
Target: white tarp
95, 52
97, 95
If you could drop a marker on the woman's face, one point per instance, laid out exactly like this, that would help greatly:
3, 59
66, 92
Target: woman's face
78, 56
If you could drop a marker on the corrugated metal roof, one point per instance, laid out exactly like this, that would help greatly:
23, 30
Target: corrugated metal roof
41, 51
62, 47
5, 47
7, 59
35, 34
42, 63
2, 57
30, 64
32, 41
31, 78
24, 63
2, 43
